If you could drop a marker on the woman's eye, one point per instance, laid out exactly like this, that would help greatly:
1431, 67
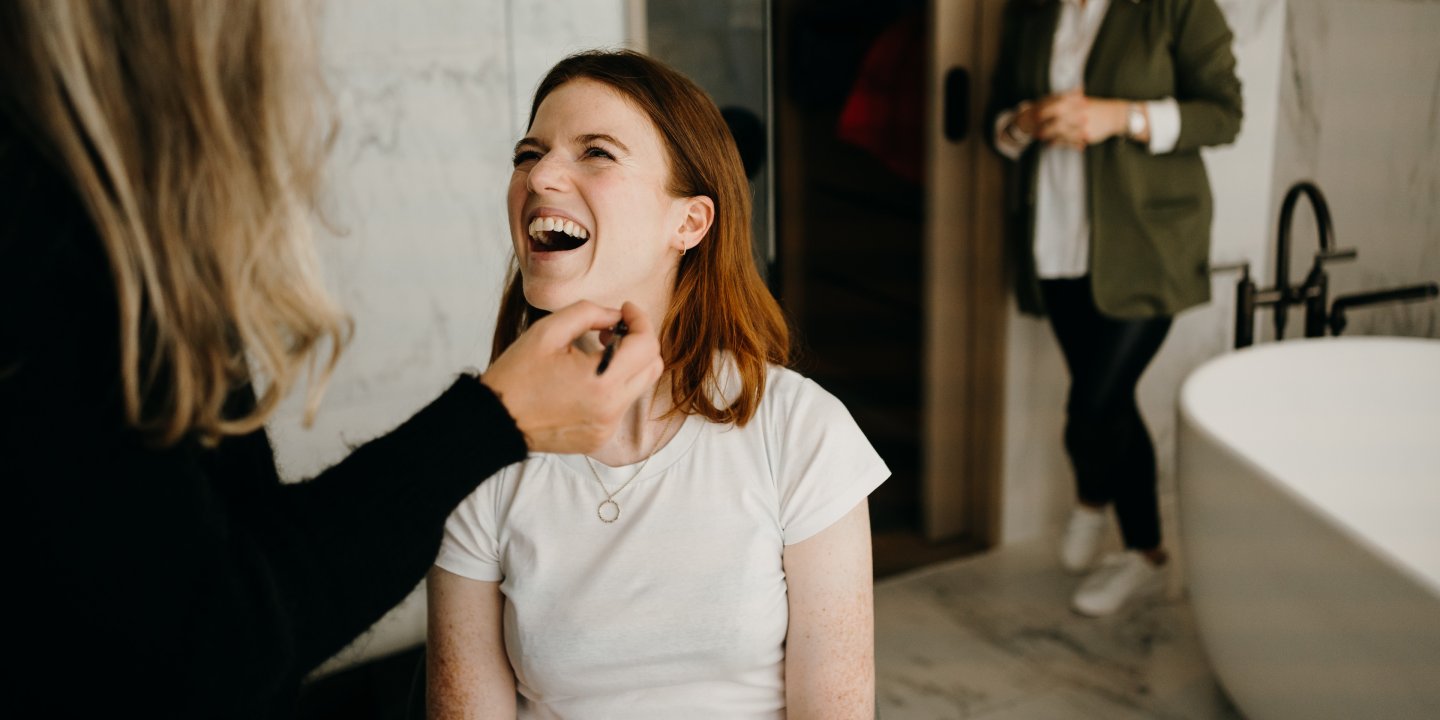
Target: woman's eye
596, 152
525, 157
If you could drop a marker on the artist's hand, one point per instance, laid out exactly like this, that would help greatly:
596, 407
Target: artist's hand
549, 384
1072, 119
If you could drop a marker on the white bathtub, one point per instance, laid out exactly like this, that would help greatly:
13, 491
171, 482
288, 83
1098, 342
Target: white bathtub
1309, 493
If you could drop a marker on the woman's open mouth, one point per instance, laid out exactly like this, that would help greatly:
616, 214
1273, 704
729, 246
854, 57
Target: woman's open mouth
555, 234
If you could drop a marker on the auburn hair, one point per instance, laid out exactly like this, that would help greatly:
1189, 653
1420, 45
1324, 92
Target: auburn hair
189, 131
719, 303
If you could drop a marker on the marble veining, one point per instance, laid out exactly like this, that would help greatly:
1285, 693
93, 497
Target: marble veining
992, 637
544, 32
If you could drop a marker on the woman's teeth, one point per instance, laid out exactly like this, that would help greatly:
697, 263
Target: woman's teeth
553, 233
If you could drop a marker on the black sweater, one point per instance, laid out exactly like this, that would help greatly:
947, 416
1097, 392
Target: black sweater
185, 581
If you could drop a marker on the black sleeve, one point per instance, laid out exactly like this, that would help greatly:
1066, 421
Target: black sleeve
189, 573
359, 537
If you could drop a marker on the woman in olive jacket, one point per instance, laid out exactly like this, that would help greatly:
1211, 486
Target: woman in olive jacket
1104, 106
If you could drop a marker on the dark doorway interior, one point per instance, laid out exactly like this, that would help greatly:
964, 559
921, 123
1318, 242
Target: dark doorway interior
850, 217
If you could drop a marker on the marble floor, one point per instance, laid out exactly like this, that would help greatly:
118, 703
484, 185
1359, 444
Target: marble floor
993, 637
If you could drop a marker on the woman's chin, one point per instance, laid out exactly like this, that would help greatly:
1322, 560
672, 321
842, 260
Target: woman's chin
550, 299
542, 303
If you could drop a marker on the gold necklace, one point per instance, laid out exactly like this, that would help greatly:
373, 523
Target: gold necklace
613, 513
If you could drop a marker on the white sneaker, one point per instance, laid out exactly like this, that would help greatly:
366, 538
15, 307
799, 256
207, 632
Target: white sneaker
1082, 539
1118, 578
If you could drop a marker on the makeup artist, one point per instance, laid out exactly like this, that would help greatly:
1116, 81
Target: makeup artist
158, 161
1105, 105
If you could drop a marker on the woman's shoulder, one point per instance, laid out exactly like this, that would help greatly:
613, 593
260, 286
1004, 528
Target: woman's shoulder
786, 393
786, 383
789, 393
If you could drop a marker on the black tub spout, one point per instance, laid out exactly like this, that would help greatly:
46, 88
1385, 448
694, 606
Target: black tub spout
1424, 291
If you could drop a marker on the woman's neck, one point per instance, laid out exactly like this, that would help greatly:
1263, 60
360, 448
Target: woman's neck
645, 427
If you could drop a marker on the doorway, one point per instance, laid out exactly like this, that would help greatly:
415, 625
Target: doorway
877, 231
888, 253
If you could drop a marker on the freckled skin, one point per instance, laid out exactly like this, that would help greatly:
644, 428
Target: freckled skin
466, 671
830, 646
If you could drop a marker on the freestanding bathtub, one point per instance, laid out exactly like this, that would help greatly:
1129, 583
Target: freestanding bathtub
1309, 494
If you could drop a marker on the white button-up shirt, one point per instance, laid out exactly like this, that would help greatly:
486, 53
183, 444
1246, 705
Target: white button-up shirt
1062, 215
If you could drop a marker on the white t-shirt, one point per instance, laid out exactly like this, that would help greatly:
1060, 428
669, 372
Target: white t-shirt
677, 609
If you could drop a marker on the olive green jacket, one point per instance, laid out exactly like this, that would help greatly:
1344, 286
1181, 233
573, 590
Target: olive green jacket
1149, 214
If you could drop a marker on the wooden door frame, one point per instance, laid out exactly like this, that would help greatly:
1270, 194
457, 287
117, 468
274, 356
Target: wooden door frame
965, 289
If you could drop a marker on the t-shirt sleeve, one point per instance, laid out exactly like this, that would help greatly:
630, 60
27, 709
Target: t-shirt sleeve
825, 466
471, 546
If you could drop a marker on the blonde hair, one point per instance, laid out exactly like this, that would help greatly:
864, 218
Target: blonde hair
188, 128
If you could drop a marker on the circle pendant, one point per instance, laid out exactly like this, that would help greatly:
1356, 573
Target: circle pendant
608, 511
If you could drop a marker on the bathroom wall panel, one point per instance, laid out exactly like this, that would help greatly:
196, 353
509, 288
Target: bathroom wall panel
545, 31
1360, 115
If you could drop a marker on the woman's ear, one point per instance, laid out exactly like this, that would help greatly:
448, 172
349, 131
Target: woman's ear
699, 216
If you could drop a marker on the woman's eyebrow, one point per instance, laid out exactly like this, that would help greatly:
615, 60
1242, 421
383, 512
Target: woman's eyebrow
531, 142
591, 137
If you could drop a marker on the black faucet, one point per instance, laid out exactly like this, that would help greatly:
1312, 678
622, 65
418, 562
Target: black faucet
1423, 291
1314, 290
1249, 298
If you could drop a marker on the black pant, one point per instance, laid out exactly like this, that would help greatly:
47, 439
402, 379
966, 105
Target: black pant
1105, 436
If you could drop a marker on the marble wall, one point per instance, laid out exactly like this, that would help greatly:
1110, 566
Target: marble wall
431, 97
1360, 116
1038, 486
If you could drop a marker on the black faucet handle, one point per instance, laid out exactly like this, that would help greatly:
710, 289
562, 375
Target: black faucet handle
1328, 256
1313, 286
1423, 291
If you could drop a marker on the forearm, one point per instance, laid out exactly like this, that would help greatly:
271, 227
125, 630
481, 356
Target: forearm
468, 673
833, 678
830, 644
369, 528
1156, 126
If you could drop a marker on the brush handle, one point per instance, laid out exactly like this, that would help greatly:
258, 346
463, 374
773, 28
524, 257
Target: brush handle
616, 333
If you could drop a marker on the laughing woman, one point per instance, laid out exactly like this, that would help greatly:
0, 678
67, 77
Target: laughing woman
714, 558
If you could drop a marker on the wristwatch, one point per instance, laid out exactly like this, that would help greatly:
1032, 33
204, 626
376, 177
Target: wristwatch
1135, 121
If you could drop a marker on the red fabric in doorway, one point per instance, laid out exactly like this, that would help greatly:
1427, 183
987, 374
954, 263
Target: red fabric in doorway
884, 114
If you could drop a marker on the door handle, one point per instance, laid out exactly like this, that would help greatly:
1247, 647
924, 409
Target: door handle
957, 104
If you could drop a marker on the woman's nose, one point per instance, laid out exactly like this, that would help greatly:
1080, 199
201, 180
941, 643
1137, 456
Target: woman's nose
549, 173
